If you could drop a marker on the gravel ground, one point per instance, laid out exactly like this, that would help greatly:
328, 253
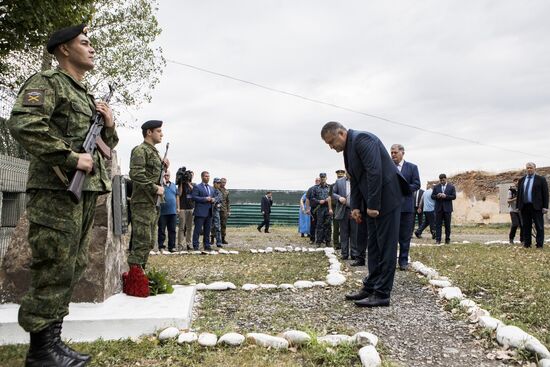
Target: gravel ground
414, 331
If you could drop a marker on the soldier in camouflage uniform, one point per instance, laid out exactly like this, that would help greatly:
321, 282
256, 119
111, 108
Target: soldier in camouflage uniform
321, 201
225, 210
145, 169
216, 217
50, 119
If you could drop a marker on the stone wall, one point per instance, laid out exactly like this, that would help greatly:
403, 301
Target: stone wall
107, 259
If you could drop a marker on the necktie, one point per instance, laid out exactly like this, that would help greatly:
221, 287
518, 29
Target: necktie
528, 190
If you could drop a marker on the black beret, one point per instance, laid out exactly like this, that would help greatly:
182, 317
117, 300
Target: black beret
151, 124
64, 35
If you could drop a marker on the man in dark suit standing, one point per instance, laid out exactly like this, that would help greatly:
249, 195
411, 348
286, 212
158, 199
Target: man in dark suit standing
203, 196
377, 190
418, 216
406, 223
267, 201
532, 201
443, 193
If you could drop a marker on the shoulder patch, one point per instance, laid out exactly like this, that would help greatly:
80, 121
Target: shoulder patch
33, 97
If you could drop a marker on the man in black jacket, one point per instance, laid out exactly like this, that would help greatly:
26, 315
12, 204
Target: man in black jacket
443, 193
267, 201
377, 190
532, 201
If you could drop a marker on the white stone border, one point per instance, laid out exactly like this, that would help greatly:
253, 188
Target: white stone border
506, 335
367, 341
333, 278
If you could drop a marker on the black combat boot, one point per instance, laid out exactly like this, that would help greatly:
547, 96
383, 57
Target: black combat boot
57, 326
44, 352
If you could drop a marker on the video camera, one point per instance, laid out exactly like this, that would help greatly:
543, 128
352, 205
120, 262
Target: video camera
183, 176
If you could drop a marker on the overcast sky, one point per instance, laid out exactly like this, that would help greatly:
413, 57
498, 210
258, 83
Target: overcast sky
478, 70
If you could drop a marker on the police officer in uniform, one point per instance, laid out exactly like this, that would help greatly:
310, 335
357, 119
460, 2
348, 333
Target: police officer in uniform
336, 222
145, 168
50, 119
320, 200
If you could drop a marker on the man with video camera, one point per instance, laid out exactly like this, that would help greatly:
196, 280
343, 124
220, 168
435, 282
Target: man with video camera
185, 206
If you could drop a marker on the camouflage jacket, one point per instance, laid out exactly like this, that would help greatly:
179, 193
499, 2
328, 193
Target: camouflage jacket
145, 167
50, 119
225, 200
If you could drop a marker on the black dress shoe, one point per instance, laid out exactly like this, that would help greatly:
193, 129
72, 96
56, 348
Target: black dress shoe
418, 235
447, 242
259, 229
373, 301
404, 267
219, 245
266, 231
172, 250
208, 248
361, 294
358, 263
344, 258
224, 241
188, 248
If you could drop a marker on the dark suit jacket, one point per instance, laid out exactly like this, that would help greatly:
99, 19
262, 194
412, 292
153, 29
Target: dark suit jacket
418, 193
444, 205
266, 204
539, 195
199, 194
410, 172
375, 180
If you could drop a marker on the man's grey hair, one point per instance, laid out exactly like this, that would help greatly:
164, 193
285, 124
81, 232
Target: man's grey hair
398, 147
531, 164
332, 127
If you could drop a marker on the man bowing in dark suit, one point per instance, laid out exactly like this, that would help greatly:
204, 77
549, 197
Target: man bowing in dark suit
267, 202
533, 204
406, 223
377, 190
443, 193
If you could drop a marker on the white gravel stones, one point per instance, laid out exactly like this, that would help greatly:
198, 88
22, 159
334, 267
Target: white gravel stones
286, 286
364, 338
467, 303
267, 341
369, 357
544, 362
200, 286
300, 284
319, 283
328, 250
335, 279
336, 266
512, 336
233, 339
296, 337
249, 287
208, 339
268, 250
223, 252
253, 251
535, 346
334, 340
280, 249
233, 252
489, 322
440, 283
220, 286
450, 293
169, 333
189, 337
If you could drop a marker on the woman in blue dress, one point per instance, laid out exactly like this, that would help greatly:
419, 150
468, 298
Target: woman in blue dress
304, 220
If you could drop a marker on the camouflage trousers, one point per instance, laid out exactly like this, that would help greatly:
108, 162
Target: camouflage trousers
216, 227
223, 218
144, 232
323, 229
59, 237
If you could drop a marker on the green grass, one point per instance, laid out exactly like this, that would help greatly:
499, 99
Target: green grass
243, 268
511, 282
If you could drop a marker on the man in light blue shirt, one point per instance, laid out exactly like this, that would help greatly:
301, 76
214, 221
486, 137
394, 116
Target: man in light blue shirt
427, 206
168, 215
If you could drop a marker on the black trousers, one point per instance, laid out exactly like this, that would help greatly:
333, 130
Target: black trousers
168, 220
202, 224
418, 217
358, 239
429, 220
265, 222
406, 225
383, 234
440, 219
529, 216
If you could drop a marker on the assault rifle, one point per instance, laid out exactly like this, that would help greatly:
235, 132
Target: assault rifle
162, 172
92, 142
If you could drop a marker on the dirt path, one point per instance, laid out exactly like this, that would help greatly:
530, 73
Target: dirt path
414, 331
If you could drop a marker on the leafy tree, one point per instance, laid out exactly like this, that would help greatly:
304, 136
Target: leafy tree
121, 32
